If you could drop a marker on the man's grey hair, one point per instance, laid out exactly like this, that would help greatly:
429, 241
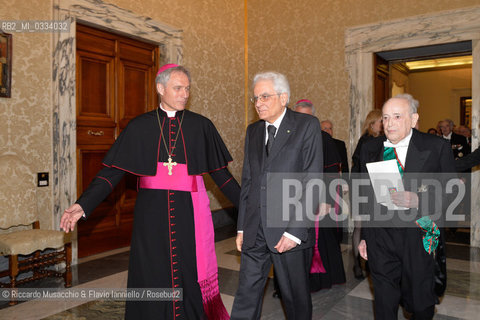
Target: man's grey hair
326, 121
450, 123
412, 103
163, 77
304, 104
280, 82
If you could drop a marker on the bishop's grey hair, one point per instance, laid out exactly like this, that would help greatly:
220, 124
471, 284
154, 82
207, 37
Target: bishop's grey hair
163, 77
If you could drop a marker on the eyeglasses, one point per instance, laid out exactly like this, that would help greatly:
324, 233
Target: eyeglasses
263, 97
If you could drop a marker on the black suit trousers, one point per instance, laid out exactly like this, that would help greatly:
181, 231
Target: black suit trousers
292, 272
402, 272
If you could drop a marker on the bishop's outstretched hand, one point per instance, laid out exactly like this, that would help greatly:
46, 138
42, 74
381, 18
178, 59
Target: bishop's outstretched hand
70, 217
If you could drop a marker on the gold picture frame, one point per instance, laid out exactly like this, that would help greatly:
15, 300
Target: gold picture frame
5, 64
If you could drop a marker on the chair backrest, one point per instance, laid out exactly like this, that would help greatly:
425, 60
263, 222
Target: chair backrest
17, 193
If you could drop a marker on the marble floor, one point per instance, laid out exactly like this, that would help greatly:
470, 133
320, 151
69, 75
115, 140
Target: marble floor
352, 300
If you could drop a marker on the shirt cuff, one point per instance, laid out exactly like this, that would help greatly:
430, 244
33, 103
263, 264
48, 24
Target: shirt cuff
240, 231
292, 237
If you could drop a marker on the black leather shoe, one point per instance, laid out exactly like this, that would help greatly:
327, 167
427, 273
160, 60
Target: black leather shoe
357, 272
277, 294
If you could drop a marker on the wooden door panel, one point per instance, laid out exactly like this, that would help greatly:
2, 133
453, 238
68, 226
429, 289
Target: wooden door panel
90, 162
96, 90
133, 96
94, 135
95, 41
129, 50
381, 81
115, 83
99, 232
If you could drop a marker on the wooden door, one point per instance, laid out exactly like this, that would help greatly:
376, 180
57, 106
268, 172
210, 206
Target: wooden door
381, 81
115, 83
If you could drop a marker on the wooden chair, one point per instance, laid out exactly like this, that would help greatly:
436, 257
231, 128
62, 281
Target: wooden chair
18, 207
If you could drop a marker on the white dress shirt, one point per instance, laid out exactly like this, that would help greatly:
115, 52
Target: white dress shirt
401, 148
276, 124
449, 137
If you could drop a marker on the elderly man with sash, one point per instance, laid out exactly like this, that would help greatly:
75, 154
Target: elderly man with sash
401, 250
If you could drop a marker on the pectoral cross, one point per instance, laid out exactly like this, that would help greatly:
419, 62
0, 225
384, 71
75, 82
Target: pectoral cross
170, 164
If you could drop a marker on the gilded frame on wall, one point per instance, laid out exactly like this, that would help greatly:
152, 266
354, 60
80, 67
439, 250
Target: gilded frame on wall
5, 64
466, 111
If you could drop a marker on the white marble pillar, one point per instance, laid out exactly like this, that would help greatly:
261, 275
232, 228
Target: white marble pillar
475, 212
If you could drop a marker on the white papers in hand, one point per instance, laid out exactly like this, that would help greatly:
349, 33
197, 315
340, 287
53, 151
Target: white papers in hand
386, 179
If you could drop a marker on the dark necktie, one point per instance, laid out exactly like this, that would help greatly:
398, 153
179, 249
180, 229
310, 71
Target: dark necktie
390, 154
271, 136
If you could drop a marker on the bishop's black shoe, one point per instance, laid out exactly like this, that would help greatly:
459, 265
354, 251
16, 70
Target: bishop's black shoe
277, 294
358, 273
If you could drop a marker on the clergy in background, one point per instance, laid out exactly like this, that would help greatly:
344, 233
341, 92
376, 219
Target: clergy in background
327, 126
168, 149
327, 268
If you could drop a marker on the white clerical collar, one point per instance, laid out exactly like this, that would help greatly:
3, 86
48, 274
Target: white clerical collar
277, 122
449, 137
402, 143
170, 114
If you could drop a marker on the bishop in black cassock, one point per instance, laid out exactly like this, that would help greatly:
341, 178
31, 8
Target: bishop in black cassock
172, 246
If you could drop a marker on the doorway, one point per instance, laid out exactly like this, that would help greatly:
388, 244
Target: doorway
114, 83
440, 78
437, 75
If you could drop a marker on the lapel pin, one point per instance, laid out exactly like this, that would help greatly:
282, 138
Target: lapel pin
288, 131
422, 188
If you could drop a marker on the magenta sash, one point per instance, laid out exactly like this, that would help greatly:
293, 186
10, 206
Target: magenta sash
207, 268
179, 180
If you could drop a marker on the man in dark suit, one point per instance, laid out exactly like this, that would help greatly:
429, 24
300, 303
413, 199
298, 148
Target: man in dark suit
282, 141
402, 270
468, 162
458, 142
327, 126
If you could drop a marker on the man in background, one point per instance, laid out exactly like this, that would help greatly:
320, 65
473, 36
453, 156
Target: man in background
458, 142
327, 126
327, 264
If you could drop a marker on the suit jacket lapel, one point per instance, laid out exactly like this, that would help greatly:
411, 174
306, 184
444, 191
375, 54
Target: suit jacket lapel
285, 130
416, 155
258, 142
